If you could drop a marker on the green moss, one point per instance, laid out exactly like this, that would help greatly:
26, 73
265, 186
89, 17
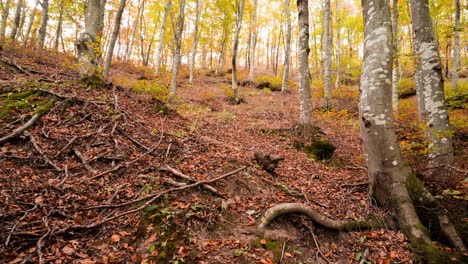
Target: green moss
44, 108
93, 81
22, 100
430, 254
319, 150
275, 246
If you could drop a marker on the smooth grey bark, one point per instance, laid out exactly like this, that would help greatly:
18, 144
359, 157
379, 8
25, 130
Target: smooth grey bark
456, 47
16, 21
287, 52
21, 24
430, 67
114, 36
177, 52
58, 32
45, 18
253, 43
195, 40
88, 43
138, 21
30, 23
391, 181
327, 35
395, 73
235, 48
5, 12
338, 43
157, 59
305, 104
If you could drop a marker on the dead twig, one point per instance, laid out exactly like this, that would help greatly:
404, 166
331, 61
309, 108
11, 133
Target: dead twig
21, 129
38, 149
39, 242
163, 179
83, 160
186, 177
364, 256
16, 224
157, 195
65, 178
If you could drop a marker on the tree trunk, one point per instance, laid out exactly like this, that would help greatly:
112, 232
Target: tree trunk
5, 12
45, 18
30, 23
396, 54
456, 47
303, 59
253, 43
195, 41
21, 24
277, 52
430, 68
177, 53
157, 59
287, 52
391, 182
88, 43
220, 64
16, 21
129, 52
58, 33
239, 14
338, 44
328, 54
114, 36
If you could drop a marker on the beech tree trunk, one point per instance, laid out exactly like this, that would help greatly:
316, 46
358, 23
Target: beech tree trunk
5, 12
391, 181
395, 73
157, 59
195, 40
45, 18
287, 52
113, 40
178, 43
58, 33
253, 43
327, 35
338, 43
456, 47
30, 23
430, 70
88, 43
239, 14
16, 21
303, 61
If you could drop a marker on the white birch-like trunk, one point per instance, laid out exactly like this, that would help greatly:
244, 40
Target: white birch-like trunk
239, 14
58, 33
157, 59
88, 43
338, 44
45, 18
287, 52
128, 54
327, 45
5, 12
456, 47
427, 50
177, 52
113, 40
395, 73
253, 43
30, 23
16, 21
195, 40
305, 104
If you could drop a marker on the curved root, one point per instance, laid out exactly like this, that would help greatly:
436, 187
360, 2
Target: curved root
288, 208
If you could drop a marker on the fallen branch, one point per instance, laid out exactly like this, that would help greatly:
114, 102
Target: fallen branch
16, 224
83, 160
21, 129
151, 200
163, 179
157, 195
289, 208
183, 176
39, 242
38, 149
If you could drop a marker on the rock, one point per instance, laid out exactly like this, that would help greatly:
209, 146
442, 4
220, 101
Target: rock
267, 161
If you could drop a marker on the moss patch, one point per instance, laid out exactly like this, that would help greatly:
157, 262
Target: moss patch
318, 150
275, 246
24, 100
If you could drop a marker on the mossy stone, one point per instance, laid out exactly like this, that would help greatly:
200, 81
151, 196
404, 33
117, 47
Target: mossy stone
319, 150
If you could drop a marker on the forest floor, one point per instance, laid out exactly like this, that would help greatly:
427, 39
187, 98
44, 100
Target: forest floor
121, 149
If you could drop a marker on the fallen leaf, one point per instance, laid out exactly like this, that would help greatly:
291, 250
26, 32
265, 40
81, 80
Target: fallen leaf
115, 238
68, 250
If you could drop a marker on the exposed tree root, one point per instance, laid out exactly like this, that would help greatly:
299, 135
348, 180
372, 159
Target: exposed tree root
288, 208
20, 130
